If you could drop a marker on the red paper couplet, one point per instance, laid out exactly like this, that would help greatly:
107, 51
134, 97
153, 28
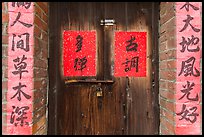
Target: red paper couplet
79, 53
130, 54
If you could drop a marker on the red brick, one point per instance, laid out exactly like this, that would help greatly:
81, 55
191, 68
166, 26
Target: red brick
168, 125
40, 73
170, 12
39, 124
38, 11
171, 86
43, 6
39, 113
171, 42
4, 51
167, 94
162, 29
162, 84
5, 17
45, 53
168, 75
4, 61
170, 106
44, 36
171, 54
37, 32
163, 65
39, 63
45, 18
163, 56
162, 38
39, 103
170, 116
37, 49
37, 85
162, 46
40, 23
5, 72
4, 85
4, 39
4, 95
4, 108
171, 64
4, 28
3, 7
164, 131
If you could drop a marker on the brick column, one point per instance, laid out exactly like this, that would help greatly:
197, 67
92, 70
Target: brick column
5, 19
38, 72
169, 66
40, 68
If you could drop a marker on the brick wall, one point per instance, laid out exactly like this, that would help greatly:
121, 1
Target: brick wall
167, 67
40, 68
5, 19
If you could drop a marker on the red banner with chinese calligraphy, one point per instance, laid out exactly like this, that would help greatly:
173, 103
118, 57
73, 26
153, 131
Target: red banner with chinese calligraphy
79, 53
20, 68
188, 28
130, 54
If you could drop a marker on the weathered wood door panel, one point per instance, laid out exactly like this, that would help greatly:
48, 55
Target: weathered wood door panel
129, 105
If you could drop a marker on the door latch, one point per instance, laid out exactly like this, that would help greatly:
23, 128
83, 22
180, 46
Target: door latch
107, 22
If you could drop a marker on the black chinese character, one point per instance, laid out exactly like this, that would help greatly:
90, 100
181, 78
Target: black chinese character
21, 43
187, 21
185, 114
79, 43
18, 114
20, 66
19, 91
24, 24
187, 4
131, 46
187, 68
133, 63
80, 64
192, 41
23, 4
186, 91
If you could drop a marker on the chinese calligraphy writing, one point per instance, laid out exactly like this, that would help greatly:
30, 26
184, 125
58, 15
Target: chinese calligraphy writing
188, 73
185, 44
79, 43
17, 19
186, 6
21, 43
186, 91
189, 18
131, 46
133, 63
185, 114
23, 4
18, 114
187, 68
19, 91
80, 63
20, 67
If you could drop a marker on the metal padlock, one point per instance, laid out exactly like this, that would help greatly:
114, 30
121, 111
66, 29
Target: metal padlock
99, 92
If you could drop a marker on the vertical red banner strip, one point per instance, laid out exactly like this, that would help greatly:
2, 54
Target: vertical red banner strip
79, 53
130, 54
188, 30
20, 68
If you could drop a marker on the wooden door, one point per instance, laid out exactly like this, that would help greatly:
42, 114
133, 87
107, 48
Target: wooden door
128, 105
